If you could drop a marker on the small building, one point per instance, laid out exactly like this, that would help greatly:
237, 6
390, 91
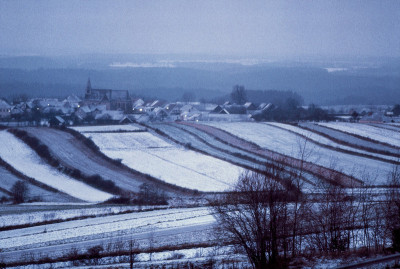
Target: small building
57, 121
377, 117
250, 106
5, 109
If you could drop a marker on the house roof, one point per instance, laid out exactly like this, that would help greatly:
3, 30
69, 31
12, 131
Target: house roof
110, 114
73, 99
236, 109
4, 104
61, 120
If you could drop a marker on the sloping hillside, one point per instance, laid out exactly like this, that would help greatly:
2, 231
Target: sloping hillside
73, 153
24, 159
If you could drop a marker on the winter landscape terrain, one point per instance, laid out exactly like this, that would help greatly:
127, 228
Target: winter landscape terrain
190, 162
187, 134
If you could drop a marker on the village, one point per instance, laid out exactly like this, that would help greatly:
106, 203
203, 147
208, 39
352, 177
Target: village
106, 106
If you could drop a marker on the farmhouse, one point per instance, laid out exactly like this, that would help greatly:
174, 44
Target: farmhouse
5, 109
112, 99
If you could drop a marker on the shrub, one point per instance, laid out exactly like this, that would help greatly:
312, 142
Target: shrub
121, 200
150, 195
19, 192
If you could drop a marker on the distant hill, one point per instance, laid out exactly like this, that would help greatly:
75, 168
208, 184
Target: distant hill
372, 84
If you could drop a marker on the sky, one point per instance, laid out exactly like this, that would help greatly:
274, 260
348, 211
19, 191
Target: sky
219, 27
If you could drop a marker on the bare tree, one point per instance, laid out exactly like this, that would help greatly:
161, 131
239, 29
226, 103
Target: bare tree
254, 216
328, 219
188, 97
393, 207
238, 95
133, 251
19, 192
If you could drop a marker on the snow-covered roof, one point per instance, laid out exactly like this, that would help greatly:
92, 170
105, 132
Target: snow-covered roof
110, 114
73, 99
61, 120
4, 104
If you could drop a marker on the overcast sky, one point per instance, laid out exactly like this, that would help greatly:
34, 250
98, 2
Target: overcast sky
228, 27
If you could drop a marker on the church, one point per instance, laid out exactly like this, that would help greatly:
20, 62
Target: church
112, 99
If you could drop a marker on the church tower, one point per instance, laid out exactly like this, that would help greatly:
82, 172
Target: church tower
88, 92
88, 87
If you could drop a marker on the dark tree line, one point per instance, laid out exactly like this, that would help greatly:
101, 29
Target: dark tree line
292, 111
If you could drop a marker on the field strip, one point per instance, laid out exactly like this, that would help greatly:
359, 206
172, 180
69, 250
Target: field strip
312, 168
236, 152
22, 158
289, 144
323, 141
385, 136
150, 154
74, 153
108, 128
351, 139
102, 226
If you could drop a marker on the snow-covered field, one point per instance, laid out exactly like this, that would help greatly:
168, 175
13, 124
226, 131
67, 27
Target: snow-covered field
107, 128
150, 154
325, 141
25, 160
379, 134
34, 192
102, 227
284, 142
350, 139
38, 216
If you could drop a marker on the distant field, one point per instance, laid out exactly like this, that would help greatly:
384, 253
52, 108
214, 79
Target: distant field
195, 158
289, 143
149, 154
107, 128
387, 136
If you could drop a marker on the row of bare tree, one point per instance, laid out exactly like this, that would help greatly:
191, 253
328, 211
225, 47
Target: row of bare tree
272, 223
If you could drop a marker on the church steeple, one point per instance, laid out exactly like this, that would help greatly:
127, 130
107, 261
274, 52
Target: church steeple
88, 87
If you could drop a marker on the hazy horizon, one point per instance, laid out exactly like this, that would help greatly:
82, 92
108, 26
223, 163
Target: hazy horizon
281, 29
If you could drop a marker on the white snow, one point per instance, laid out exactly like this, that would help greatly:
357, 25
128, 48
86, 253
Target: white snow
33, 217
107, 128
325, 141
100, 226
151, 155
287, 143
379, 134
24, 159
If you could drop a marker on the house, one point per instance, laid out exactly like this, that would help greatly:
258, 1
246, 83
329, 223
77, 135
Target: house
159, 113
224, 112
137, 103
188, 109
173, 108
109, 116
236, 109
377, 117
57, 121
112, 99
250, 106
217, 109
83, 112
5, 109
127, 119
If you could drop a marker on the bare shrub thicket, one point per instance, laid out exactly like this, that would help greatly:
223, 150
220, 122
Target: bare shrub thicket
255, 216
271, 219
